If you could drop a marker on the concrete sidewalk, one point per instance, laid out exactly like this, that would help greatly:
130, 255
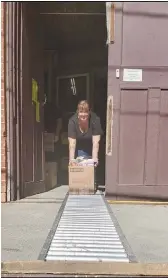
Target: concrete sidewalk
146, 229
26, 224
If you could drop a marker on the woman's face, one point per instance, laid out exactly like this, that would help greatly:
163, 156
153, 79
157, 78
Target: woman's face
83, 116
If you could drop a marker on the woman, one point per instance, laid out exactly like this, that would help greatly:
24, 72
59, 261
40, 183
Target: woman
84, 133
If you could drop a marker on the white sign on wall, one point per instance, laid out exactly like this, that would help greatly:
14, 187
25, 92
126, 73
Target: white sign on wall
132, 75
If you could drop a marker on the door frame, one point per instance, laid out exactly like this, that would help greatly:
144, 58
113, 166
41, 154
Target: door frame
69, 76
13, 37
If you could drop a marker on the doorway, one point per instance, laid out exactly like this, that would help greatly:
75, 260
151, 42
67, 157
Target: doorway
75, 36
63, 50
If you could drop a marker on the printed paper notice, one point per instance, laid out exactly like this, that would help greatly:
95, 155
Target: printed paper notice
132, 75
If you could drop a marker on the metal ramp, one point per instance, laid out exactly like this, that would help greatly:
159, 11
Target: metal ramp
87, 232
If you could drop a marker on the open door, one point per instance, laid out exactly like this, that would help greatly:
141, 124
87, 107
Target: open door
32, 154
137, 115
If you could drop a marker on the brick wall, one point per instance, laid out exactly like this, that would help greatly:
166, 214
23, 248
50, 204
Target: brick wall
3, 114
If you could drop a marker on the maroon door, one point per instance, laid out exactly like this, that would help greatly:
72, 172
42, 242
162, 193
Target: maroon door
32, 154
137, 150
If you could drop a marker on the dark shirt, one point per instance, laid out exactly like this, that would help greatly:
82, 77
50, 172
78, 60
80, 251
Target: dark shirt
84, 140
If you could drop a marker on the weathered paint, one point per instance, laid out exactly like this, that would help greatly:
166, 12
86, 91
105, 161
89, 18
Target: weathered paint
138, 165
3, 110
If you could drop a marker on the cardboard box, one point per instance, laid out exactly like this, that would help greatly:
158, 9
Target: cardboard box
81, 180
51, 172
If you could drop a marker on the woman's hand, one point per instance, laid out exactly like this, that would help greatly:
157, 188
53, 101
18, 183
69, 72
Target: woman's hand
72, 162
96, 162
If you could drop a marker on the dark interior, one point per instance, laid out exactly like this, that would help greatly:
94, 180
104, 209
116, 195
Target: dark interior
76, 57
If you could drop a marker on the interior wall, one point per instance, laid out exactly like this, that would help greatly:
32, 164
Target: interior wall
81, 61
